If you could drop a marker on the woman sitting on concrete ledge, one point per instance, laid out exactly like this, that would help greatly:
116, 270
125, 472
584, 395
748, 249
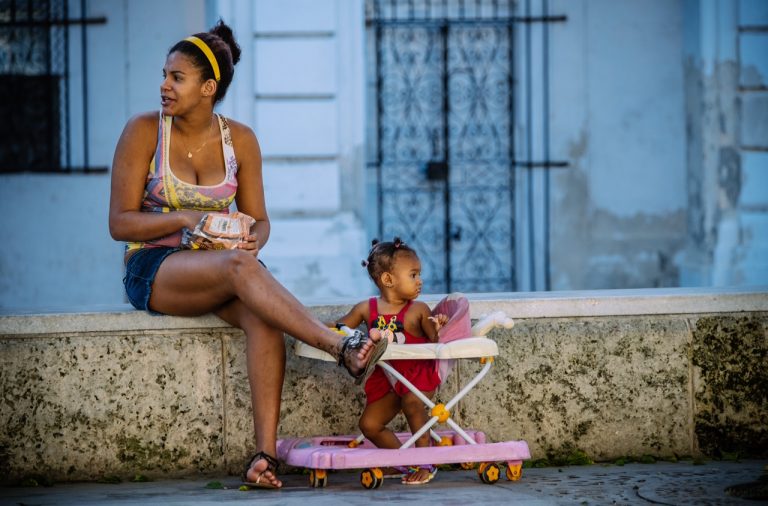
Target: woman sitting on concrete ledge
152, 206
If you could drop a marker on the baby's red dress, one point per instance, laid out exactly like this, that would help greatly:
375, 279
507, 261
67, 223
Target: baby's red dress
422, 373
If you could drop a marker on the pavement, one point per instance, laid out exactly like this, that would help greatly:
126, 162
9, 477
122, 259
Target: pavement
679, 483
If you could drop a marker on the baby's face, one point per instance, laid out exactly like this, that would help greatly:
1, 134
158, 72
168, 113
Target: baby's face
406, 274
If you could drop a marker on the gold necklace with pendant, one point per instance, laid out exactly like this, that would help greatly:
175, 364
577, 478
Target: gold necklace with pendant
207, 137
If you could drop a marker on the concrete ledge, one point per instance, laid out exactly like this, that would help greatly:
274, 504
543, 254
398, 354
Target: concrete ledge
515, 304
612, 373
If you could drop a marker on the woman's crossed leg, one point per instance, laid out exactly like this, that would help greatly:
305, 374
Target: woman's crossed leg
239, 289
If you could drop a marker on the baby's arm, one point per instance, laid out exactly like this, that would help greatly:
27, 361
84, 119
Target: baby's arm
357, 315
439, 321
430, 325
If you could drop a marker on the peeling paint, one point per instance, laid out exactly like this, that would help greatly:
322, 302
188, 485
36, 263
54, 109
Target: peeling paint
723, 123
729, 176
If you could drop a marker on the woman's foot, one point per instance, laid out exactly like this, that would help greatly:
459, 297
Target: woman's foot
359, 354
261, 472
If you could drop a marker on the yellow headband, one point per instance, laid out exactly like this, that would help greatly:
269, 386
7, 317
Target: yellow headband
208, 53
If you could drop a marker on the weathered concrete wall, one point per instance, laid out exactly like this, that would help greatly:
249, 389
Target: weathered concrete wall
729, 357
726, 111
618, 212
90, 395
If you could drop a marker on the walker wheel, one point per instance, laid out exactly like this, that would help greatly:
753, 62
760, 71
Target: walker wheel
489, 472
514, 472
318, 478
372, 478
467, 465
446, 441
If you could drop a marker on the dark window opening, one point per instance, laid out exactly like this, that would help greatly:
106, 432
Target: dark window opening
36, 97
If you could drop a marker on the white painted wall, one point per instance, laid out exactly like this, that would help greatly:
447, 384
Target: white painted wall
57, 251
308, 114
617, 116
635, 106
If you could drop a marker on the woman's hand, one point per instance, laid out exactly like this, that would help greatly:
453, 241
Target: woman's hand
250, 244
191, 218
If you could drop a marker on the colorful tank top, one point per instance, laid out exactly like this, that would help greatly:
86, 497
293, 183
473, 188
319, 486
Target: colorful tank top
164, 192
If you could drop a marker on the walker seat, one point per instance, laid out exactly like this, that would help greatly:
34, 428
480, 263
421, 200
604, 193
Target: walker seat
458, 340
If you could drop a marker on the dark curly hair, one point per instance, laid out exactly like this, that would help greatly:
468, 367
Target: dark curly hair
382, 257
222, 42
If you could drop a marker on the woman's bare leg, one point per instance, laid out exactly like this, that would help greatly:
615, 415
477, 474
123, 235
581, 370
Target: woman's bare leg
265, 360
197, 282
239, 289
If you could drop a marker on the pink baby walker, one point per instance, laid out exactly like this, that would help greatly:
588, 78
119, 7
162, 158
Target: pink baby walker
458, 340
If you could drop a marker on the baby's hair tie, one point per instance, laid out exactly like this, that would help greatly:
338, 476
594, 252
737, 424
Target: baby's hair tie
374, 244
398, 242
364, 263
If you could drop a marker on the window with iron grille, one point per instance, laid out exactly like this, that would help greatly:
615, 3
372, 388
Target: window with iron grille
36, 96
446, 82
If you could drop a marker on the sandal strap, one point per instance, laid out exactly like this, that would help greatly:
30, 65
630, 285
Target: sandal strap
352, 341
430, 468
272, 463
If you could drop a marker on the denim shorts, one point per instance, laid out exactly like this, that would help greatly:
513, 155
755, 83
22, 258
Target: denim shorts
140, 273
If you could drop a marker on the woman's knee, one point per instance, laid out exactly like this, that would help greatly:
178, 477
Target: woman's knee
241, 266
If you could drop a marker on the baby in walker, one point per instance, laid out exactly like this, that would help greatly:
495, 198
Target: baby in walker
396, 270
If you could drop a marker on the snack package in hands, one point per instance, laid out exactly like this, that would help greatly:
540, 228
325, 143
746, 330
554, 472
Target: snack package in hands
218, 231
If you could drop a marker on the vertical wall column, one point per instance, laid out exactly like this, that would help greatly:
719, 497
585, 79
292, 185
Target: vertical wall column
531, 112
303, 96
726, 113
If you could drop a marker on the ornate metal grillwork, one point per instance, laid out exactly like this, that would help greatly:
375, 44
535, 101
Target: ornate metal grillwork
444, 138
34, 85
31, 84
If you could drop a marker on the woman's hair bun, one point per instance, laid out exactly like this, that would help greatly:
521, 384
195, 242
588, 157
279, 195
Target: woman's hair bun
223, 31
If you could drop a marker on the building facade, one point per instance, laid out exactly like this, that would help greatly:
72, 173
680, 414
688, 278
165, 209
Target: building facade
546, 145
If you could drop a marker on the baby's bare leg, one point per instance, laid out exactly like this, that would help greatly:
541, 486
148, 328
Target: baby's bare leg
416, 414
374, 420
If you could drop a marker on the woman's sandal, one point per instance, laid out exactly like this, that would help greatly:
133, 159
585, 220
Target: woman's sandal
431, 470
354, 342
272, 466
